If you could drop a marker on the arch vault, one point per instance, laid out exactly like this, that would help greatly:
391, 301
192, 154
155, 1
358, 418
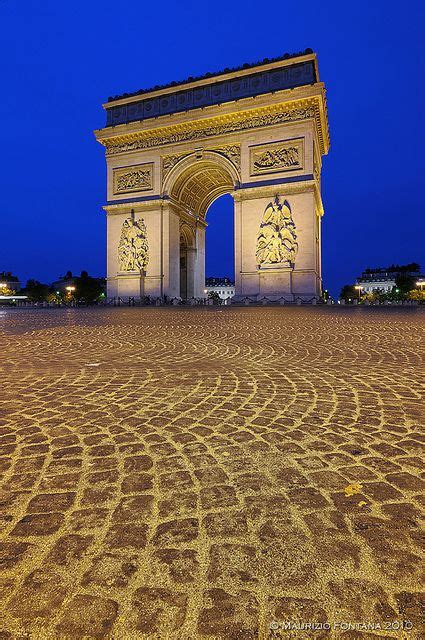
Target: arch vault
258, 133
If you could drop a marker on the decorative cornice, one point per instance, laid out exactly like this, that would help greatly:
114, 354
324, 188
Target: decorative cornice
309, 108
271, 190
307, 53
221, 89
138, 206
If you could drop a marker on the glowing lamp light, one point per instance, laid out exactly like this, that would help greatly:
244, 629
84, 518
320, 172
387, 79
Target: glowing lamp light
70, 289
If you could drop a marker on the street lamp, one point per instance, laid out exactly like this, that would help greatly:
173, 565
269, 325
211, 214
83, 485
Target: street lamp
359, 289
70, 289
3, 285
419, 284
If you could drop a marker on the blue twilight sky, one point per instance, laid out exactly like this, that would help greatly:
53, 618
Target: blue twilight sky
60, 60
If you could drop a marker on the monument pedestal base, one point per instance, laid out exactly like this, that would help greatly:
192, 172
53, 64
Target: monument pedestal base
275, 282
130, 284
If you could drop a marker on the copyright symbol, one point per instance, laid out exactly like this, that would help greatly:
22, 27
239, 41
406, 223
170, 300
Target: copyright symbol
274, 625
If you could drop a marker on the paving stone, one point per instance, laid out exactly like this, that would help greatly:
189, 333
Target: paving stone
127, 537
381, 491
83, 519
406, 481
68, 549
211, 476
412, 607
159, 609
229, 616
176, 532
216, 496
51, 502
225, 524
138, 463
108, 570
38, 524
136, 482
178, 504
11, 553
182, 565
234, 562
88, 616
301, 610
328, 479
307, 498
133, 509
170, 482
40, 595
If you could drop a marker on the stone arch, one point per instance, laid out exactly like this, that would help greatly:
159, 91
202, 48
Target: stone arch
257, 133
200, 178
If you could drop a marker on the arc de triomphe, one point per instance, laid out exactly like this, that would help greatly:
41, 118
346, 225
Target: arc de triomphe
258, 133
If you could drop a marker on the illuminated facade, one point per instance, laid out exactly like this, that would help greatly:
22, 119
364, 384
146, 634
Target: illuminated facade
258, 133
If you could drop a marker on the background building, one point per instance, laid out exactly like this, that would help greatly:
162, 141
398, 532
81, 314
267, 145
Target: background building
223, 287
385, 279
376, 280
9, 281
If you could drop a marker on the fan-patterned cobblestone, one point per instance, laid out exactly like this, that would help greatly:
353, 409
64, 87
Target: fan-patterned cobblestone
199, 473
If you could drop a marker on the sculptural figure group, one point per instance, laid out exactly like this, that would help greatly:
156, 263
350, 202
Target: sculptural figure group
133, 250
277, 239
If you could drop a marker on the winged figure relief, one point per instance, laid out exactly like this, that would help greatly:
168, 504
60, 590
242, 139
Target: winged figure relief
277, 238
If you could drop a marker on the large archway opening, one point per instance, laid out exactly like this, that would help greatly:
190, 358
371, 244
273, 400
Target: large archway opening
220, 240
187, 247
200, 194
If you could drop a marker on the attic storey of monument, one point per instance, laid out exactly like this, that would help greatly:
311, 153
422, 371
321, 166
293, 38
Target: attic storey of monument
257, 133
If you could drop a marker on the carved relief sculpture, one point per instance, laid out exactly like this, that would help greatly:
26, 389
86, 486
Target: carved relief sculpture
133, 250
232, 153
183, 133
137, 178
168, 162
277, 240
269, 159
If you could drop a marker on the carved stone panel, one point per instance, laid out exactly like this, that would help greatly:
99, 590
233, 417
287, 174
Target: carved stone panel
136, 178
168, 162
277, 239
277, 157
232, 153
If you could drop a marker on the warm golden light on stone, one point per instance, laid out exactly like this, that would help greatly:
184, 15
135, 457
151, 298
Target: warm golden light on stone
170, 162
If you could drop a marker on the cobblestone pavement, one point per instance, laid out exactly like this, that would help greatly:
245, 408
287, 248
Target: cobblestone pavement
203, 473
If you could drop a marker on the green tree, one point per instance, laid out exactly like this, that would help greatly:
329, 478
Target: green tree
404, 283
348, 292
36, 291
87, 289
